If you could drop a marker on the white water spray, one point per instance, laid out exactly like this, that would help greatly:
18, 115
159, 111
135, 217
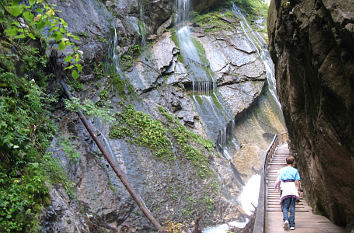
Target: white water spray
258, 42
183, 9
115, 54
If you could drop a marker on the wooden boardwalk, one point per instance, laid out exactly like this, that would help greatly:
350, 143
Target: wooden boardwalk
305, 220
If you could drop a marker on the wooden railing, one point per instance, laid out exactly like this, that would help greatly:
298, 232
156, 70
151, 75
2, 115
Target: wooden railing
259, 222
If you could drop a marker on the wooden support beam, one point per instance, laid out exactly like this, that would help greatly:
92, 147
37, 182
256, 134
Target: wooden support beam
107, 156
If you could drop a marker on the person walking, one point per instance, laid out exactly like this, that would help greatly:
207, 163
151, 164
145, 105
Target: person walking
289, 179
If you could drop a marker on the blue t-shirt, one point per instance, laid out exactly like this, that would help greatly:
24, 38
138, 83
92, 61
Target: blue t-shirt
289, 173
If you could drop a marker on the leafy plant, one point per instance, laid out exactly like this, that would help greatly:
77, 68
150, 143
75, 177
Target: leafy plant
88, 108
38, 18
26, 131
68, 146
128, 57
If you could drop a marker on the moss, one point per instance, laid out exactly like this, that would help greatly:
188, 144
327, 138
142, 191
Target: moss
142, 130
122, 86
253, 8
218, 105
214, 21
174, 38
199, 100
190, 144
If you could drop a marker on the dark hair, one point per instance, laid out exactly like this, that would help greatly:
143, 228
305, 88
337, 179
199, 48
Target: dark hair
290, 159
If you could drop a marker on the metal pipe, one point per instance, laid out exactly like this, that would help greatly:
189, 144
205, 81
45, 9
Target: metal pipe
120, 174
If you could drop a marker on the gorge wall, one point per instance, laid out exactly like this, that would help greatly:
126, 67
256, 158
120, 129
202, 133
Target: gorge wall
153, 90
311, 43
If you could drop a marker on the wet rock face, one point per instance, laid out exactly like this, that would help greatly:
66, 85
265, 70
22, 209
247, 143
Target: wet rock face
204, 5
311, 45
170, 188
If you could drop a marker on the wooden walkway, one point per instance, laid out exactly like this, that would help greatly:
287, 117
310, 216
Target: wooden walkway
305, 220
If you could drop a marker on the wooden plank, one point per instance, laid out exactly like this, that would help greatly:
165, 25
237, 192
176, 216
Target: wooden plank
306, 221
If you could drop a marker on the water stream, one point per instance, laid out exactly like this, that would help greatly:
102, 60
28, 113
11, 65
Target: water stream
258, 42
251, 131
115, 56
213, 112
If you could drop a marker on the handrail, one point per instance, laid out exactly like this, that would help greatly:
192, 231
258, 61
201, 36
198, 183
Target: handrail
259, 223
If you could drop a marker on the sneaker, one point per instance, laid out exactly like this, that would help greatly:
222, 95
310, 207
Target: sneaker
292, 228
286, 225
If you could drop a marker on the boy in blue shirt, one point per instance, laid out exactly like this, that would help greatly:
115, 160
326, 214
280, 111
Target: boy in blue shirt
290, 183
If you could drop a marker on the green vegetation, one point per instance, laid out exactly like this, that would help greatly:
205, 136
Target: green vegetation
218, 105
253, 8
202, 55
75, 84
26, 126
68, 146
209, 202
89, 109
215, 21
26, 131
175, 40
123, 86
188, 142
142, 130
128, 57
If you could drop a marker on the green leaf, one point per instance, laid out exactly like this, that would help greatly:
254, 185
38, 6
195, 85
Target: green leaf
15, 10
69, 67
61, 45
31, 2
11, 31
75, 74
76, 37
20, 36
28, 16
58, 36
63, 22
31, 36
55, 28
63, 30
40, 24
79, 67
68, 58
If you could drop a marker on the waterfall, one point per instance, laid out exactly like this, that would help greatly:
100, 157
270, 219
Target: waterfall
258, 42
191, 56
216, 116
203, 87
183, 9
115, 56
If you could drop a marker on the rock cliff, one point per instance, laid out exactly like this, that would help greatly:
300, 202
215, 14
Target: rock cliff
311, 43
182, 187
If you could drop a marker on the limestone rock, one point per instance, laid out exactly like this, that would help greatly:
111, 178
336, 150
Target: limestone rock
311, 46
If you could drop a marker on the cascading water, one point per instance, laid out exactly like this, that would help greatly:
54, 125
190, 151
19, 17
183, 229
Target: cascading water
115, 56
260, 45
213, 112
183, 9
191, 57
